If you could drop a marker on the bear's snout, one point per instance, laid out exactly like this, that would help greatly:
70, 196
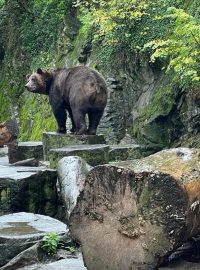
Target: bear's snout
28, 87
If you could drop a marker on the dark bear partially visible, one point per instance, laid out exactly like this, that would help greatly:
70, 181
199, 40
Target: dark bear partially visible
79, 90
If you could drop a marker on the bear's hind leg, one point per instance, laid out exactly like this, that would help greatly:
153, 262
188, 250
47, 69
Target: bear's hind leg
94, 116
73, 129
79, 120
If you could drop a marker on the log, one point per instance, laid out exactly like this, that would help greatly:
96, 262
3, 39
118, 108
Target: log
132, 214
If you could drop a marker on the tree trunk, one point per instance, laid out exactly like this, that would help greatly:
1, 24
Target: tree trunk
132, 214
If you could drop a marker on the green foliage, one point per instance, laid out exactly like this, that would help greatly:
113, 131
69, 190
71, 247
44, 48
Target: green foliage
122, 28
40, 30
182, 46
50, 243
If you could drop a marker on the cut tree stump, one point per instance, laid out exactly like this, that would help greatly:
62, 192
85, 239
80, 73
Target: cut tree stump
133, 214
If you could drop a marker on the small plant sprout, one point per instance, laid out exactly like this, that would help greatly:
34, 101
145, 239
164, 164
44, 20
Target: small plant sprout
50, 243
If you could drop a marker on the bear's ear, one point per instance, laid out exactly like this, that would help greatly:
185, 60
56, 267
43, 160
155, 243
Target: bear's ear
27, 76
39, 71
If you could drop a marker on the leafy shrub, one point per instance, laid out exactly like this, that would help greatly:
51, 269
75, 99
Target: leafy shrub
159, 27
182, 45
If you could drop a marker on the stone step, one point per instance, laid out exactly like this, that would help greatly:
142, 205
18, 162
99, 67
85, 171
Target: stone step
30, 189
92, 154
25, 150
53, 140
124, 152
21, 230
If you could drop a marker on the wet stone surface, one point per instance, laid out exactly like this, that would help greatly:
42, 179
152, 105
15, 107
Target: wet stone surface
21, 230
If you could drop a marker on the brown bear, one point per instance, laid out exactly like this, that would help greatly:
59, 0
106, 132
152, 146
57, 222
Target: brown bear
79, 90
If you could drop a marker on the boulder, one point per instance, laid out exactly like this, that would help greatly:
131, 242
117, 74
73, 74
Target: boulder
53, 140
21, 230
93, 154
72, 172
133, 214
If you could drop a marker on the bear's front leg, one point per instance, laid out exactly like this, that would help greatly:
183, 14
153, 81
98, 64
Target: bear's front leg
61, 117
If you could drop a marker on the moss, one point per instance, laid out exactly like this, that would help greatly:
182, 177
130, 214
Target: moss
36, 117
77, 46
145, 197
93, 157
152, 128
162, 101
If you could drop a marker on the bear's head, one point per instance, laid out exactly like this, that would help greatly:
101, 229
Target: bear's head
38, 82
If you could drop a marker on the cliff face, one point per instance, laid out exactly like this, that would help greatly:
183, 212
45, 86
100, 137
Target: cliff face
145, 104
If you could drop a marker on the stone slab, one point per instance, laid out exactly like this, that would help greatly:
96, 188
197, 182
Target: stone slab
21, 230
57, 140
92, 154
25, 150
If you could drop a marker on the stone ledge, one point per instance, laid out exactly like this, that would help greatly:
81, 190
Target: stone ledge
92, 154
25, 150
124, 152
53, 140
